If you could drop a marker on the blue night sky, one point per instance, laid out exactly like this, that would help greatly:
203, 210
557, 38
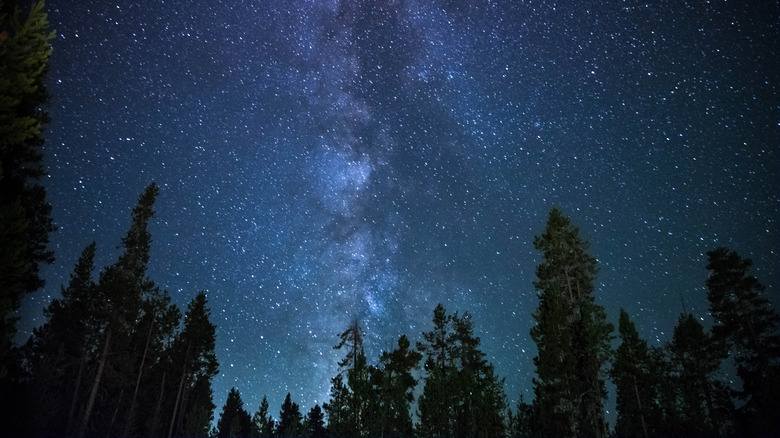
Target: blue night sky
322, 161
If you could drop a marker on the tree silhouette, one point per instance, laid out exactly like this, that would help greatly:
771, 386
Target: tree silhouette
234, 421
746, 324
25, 214
573, 340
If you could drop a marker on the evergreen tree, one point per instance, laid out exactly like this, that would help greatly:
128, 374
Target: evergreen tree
337, 408
436, 405
234, 421
747, 325
636, 377
462, 395
481, 401
519, 423
553, 405
121, 287
25, 215
360, 391
194, 364
393, 383
290, 420
152, 336
316, 423
261, 422
699, 398
570, 399
59, 352
437, 342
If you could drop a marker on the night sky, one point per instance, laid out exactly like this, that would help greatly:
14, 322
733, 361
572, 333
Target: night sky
322, 161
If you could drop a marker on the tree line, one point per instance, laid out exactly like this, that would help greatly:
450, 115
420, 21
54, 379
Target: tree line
115, 357
676, 390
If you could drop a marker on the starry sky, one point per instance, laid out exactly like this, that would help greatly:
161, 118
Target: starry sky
324, 161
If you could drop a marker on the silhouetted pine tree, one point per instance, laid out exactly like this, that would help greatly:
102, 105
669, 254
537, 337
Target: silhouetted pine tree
152, 337
747, 325
290, 420
315, 422
59, 354
357, 370
261, 422
393, 384
519, 422
337, 408
462, 395
121, 287
553, 405
25, 215
436, 405
570, 399
636, 376
234, 421
699, 397
194, 364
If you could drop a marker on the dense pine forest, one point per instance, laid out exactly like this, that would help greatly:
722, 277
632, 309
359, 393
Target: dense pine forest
115, 356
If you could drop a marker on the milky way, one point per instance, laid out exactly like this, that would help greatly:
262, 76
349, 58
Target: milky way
322, 162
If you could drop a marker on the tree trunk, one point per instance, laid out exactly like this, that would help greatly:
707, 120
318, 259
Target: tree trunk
178, 393
639, 404
116, 412
75, 398
156, 419
95, 385
131, 411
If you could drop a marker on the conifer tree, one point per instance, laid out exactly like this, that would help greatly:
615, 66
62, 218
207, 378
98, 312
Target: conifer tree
290, 420
462, 395
59, 352
316, 423
261, 421
153, 333
393, 383
553, 405
234, 421
195, 364
699, 397
436, 405
337, 408
636, 377
519, 422
121, 286
570, 392
25, 215
747, 325
360, 393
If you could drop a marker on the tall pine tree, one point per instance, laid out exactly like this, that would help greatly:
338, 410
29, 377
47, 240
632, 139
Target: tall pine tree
746, 324
436, 405
59, 353
462, 396
701, 402
234, 421
262, 424
570, 398
636, 376
357, 370
290, 420
315, 423
194, 364
25, 215
121, 287
337, 408
393, 383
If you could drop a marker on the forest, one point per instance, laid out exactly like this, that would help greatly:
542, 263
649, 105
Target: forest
115, 356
